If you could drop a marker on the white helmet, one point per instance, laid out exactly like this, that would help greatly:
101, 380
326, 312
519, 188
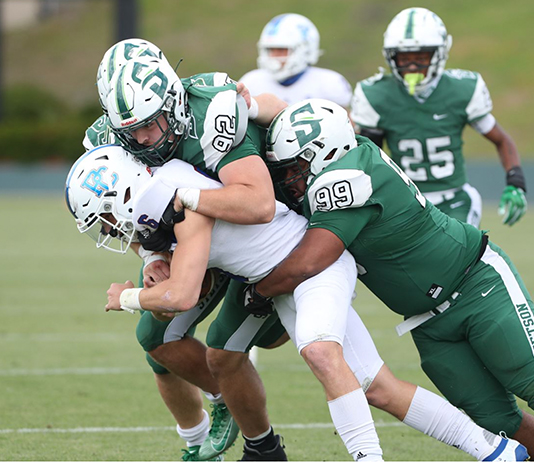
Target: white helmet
104, 181
116, 57
316, 130
414, 30
140, 92
294, 32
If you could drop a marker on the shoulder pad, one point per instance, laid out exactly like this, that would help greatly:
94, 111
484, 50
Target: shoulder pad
461, 74
362, 112
374, 78
211, 79
99, 134
150, 203
339, 189
480, 103
223, 128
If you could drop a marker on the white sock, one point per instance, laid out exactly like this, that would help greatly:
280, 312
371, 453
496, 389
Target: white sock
195, 436
354, 423
215, 399
436, 417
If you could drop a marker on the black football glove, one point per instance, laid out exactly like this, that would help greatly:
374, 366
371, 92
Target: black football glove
257, 304
157, 241
162, 239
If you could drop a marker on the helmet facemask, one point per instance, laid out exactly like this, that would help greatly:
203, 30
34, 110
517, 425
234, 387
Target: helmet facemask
165, 146
107, 227
141, 94
283, 184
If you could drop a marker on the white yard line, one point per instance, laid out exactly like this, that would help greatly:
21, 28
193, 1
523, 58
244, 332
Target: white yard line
295, 426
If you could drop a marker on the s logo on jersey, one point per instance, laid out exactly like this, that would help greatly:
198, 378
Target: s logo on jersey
95, 183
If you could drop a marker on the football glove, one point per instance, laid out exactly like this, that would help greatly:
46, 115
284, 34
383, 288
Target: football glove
256, 304
162, 238
157, 241
513, 205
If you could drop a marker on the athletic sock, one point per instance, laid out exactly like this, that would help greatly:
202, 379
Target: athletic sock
214, 399
195, 436
436, 417
354, 424
263, 442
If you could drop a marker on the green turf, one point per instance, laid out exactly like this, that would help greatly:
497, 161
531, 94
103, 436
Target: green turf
68, 370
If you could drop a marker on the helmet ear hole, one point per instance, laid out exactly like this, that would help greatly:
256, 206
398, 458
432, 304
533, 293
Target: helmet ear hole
127, 195
330, 154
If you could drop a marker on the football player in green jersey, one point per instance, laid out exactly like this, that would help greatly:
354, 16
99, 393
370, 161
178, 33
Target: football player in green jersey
421, 109
464, 303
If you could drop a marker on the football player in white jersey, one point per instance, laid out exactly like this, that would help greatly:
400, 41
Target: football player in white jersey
251, 252
288, 50
423, 129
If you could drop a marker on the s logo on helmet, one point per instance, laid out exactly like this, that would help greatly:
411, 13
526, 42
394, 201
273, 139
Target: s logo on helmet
95, 183
309, 122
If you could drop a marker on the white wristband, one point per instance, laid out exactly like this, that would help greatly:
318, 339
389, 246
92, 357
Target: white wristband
149, 256
129, 299
254, 109
189, 197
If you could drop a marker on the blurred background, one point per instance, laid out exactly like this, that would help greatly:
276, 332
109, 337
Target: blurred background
50, 51
69, 371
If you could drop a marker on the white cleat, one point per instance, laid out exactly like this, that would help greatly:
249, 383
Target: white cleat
508, 450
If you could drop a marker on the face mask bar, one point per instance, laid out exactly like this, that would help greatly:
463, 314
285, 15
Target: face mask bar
282, 185
116, 235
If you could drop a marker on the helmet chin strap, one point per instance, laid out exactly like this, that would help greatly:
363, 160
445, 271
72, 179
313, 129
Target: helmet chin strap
412, 79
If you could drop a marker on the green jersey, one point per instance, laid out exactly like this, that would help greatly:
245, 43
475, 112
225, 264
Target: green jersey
424, 137
409, 254
99, 134
219, 132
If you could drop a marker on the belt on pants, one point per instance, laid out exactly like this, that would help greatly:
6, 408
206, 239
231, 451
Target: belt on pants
415, 321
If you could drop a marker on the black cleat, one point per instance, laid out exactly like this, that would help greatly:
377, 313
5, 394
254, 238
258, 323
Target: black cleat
276, 453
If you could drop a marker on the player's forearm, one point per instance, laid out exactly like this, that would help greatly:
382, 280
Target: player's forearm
241, 204
299, 266
268, 108
318, 249
508, 154
283, 280
169, 297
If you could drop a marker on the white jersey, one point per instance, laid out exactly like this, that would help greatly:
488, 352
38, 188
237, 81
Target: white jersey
316, 82
248, 252
320, 308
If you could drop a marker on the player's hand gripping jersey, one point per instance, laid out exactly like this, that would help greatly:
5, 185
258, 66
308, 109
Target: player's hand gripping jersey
246, 252
424, 137
408, 254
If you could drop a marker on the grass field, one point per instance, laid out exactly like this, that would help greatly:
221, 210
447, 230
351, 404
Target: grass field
75, 385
